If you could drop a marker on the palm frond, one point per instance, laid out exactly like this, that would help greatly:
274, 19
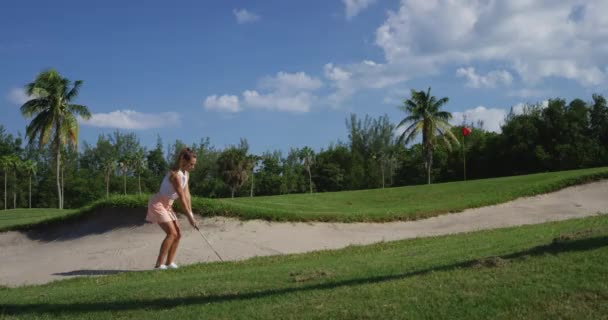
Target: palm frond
413, 134
33, 106
38, 125
431, 103
70, 129
408, 119
445, 130
410, 133
440, 123
80, 110
29, 88
62, 90
405, 132
74, 91
440, 103
411, 105
45, 133
443, 115
451, 135
35, 90
447, 142
403, 107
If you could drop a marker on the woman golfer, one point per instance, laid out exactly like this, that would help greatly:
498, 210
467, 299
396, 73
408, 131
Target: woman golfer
174, 186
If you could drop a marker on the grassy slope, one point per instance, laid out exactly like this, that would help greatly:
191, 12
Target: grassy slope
402, 203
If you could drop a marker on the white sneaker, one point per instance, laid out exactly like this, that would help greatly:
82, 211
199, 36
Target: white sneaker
173, 266
161, 267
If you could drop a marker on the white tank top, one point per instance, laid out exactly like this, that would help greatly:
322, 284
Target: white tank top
166, 187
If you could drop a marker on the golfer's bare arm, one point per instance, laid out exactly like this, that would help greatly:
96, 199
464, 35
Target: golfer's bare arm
188, 195
181, 193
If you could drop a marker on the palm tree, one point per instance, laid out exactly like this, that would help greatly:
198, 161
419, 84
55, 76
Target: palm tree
54, 116
139, 165
9, 163
424, 115
5, 165
308, 156
234, 166
254, 160
109, 166
29, 166
383, 158
17, 166
124, 166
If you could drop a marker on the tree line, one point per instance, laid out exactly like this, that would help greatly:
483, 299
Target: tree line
45, 169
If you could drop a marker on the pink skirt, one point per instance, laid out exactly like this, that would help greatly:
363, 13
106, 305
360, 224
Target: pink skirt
160, 209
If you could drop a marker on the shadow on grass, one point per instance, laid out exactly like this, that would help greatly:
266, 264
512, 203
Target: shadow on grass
90, 272
554, 248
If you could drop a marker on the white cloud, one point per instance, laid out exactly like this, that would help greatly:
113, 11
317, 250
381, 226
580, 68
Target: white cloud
530, 40
341, 80
396, 95
290, 92
335, 73
290, 82
391, 100
347, 80
298, 103
17, 96
354, 7
228, 103
286, 92
244, 16
529, 93
492, 118
490, 80
538, 39
129, 119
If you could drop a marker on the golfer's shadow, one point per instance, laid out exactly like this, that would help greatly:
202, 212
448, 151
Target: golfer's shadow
90, 272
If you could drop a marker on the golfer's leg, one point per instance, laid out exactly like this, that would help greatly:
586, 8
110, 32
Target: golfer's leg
169, 229
173, 248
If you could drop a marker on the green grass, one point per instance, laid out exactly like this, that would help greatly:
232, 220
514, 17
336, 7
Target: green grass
390, 204
402, 203
546, 271
29, 217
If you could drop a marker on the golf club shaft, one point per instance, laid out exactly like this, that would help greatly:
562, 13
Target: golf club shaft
210, 246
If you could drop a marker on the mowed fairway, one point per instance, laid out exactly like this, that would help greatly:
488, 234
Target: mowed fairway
552, 270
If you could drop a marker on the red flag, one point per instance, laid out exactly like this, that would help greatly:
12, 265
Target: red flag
466, 131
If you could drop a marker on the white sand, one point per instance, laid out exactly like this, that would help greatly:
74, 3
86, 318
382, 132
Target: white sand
105, 244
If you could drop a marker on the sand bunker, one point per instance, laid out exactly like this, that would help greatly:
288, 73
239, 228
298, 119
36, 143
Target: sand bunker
112, 241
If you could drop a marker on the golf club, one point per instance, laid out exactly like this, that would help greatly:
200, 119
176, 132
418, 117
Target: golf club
210, 246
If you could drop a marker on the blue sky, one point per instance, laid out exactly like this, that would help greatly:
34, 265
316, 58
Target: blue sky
288, 73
